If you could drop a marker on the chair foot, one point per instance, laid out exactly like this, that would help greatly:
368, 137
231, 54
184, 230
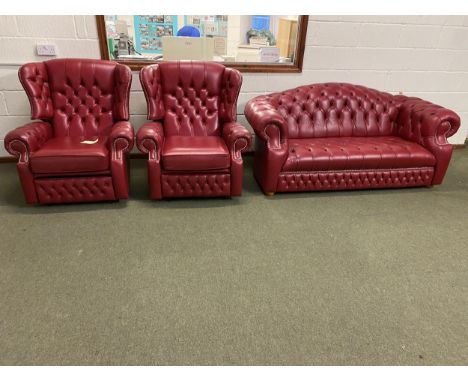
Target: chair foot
269, 193
430, 186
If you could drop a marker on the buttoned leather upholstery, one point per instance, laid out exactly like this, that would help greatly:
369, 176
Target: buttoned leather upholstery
354, 179
195, 185
76, 189
77, 100
343, 128
193, 131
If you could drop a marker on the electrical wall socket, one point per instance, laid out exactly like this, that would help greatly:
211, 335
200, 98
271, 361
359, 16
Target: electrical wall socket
46, 49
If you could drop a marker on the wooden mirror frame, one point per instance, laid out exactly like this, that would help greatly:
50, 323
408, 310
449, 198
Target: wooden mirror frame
295, 67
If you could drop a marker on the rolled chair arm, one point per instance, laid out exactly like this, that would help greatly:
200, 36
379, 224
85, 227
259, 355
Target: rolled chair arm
24, 140
237, 138
268, 124
150, 138
426, 123
122, 137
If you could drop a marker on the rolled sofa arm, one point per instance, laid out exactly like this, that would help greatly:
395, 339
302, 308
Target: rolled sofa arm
122, 137
426, 122
429, 125
237, 138
150, 139
268, 124
24, 140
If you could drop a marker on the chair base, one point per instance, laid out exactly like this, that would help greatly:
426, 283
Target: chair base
74, 190
195, 185
269, 193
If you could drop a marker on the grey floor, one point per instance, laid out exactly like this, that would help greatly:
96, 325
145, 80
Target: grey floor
331, 278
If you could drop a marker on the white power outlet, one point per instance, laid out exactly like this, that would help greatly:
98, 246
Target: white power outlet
46, 49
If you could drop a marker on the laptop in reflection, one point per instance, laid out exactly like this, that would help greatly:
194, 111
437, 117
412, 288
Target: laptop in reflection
188, 48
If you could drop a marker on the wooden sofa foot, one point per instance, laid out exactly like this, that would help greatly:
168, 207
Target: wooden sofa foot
269, 193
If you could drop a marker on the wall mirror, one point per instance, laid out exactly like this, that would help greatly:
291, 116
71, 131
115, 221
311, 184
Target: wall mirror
250, 43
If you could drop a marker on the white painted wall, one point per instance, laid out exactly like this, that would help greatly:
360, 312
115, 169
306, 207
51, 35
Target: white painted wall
424, 56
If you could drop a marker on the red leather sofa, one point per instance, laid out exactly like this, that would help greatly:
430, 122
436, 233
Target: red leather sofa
194, 143
336, 136
74, 100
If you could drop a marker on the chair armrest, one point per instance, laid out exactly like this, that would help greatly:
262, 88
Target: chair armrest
268, 124
426, 123
150, 138
237, 138
122, 137
24, 140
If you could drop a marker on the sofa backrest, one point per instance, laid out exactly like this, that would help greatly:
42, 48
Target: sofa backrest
80, 97
337, 110
191, 97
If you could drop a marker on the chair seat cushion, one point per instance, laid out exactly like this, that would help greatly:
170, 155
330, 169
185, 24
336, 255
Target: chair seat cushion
343, 153
68, 155
186, 153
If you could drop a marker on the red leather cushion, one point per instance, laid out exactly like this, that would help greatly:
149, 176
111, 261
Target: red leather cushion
355, 153
69, 155
184, 153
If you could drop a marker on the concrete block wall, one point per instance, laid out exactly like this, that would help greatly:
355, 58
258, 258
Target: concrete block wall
423, 56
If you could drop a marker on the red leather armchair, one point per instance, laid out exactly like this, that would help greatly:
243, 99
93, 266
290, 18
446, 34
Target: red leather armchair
74, 100
194, 143
341, 136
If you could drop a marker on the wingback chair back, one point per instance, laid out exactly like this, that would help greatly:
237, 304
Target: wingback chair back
191, 98
79, 97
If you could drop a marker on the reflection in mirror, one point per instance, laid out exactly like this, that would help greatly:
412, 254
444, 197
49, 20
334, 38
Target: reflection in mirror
238, 40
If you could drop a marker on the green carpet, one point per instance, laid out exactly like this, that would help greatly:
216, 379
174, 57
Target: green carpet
330, 278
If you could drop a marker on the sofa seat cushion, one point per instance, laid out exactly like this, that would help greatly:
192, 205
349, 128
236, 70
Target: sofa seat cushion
343, 153
68, 155
200, 153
